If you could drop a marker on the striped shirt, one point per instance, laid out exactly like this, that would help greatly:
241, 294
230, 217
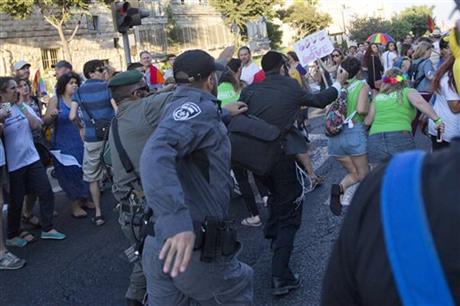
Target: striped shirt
96, 97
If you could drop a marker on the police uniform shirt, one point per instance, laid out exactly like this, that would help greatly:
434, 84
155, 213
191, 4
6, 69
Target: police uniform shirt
359, 270
185, 165
136, 122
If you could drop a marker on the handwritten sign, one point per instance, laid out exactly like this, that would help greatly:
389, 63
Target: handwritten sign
313, 47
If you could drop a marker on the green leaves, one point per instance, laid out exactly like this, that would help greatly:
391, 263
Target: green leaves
17, 8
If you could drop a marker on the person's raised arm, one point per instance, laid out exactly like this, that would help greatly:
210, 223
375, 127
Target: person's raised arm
51, 111
34, 121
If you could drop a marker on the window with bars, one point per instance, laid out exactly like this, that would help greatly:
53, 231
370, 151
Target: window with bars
49, 57
92, 23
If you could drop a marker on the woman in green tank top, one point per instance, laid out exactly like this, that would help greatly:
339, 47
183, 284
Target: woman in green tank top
350, 146
391, 114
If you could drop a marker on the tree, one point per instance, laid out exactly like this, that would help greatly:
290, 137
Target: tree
305, 18
361, 27
415, 18
238, 12
55, 12
275, 34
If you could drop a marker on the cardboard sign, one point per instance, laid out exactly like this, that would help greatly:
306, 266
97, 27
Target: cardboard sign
313, 47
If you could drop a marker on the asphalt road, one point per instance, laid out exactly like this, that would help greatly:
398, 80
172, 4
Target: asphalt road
88, 268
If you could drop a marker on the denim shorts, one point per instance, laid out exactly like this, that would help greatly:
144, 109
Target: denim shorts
350, 142
382, 146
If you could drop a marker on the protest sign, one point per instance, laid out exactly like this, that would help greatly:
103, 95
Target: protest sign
313, 47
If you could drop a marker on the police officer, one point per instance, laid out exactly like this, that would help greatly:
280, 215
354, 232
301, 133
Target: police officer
185, 169
278, 100
359, 271
137, 117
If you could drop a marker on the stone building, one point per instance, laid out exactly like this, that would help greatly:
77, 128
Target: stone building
194, 22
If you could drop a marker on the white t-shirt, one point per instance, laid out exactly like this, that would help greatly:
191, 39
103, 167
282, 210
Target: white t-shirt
19, 144
451, 120
248, 72
388, 59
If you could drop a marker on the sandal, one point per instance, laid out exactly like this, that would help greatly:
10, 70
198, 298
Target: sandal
31, 220
25, 235
9, 261
98, 221
335, 205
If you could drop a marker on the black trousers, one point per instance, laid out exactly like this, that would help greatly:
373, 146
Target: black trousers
438, 145
31, 179
247, 194
285, 214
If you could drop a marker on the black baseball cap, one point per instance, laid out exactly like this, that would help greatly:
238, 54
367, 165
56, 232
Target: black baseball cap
194, 65
62, 64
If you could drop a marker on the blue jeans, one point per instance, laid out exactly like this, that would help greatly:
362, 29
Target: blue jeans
382, 146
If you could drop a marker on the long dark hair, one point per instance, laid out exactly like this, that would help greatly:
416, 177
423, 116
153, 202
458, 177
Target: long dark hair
230, 77
368, 54
4, 82
64, 80
405, 48
447, 67
387, 48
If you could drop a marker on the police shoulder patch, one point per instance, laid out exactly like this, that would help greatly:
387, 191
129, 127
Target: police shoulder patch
186, 111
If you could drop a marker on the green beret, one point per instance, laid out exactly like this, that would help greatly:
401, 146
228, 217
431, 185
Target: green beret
125, 78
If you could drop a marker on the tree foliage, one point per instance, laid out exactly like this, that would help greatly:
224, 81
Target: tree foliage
305, 18
56, 12
275, 34
240, 11
412, 19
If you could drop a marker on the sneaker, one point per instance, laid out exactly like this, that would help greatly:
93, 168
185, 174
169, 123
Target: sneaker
16, 242
53, 235
9, 261
252, 221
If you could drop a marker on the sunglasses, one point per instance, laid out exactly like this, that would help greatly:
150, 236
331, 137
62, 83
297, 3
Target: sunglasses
335, 55
100, 69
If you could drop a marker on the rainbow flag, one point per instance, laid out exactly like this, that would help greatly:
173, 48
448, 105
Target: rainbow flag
38, 85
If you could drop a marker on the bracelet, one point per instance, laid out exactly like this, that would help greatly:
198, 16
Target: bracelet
438, 121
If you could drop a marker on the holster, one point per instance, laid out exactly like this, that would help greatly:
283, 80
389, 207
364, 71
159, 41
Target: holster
216, 238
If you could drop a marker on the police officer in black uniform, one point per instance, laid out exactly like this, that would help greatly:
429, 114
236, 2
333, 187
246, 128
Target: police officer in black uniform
185, 170
359, 271
277, 100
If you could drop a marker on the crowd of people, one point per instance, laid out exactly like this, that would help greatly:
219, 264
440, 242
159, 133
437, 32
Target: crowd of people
168, 141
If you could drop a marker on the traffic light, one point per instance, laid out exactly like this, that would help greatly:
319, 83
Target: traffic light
127, 14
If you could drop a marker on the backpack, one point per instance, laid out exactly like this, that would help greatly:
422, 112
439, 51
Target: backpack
336, 115
411, 251
413, 71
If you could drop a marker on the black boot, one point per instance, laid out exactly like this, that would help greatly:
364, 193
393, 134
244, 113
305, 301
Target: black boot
335, 205
281, 286
131, 302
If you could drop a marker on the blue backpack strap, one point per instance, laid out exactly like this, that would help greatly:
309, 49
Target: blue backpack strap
411, 251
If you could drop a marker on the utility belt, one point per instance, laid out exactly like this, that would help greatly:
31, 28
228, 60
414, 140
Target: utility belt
133, 206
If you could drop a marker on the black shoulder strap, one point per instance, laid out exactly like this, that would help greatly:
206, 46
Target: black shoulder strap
90, 115
125, 161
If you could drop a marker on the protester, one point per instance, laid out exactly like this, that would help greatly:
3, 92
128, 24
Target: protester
136, 66
229, 88
389, 56
359, 271
422, 70
447, 105
62, 67
436, 50
249, 69
26, 173
296, 71
169, 72
373, 66
360, 52
333, 64
68, 140
94, 100
444, 51
349, 147
153, 75
185, 174
406, 50
22, 70
286, 194
352, 51
8, 261
390, 116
